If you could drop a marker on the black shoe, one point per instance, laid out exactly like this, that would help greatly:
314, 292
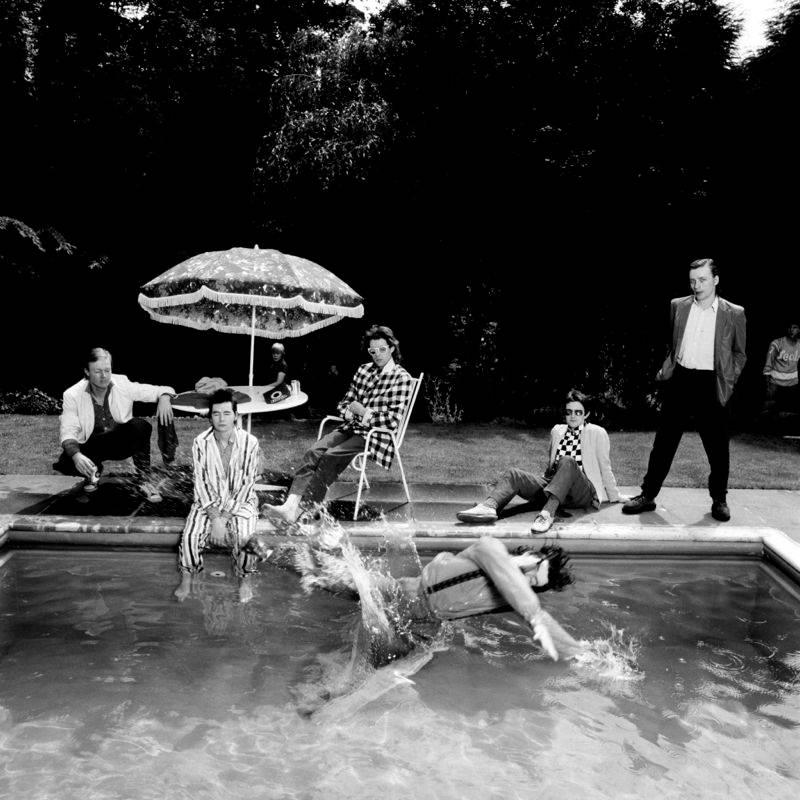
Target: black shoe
638, 504
720, 511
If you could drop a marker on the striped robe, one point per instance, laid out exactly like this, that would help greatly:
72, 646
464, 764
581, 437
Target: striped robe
234, 493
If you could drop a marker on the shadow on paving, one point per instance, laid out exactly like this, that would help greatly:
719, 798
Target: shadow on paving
119, 496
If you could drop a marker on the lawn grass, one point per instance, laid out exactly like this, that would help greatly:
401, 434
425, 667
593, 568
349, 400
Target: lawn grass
447, 454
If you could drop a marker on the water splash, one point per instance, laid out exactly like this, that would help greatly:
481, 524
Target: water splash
614, 659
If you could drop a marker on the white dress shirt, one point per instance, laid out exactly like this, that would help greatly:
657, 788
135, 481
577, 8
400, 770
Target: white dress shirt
697, 347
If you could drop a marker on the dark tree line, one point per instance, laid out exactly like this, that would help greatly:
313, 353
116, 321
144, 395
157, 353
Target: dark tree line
517, 187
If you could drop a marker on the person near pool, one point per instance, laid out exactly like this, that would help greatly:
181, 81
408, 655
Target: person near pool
97, 424
704, 361
483, 578
225, 507
377, 397
578, 474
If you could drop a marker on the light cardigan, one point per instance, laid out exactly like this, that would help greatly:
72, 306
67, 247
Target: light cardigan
77, 415
596, 457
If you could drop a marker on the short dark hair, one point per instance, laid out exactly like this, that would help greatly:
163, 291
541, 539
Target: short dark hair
95, 354
221, 396
577, 396
383, 332
705, 262
559, 575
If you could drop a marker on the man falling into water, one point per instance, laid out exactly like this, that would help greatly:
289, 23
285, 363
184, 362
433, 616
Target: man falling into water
483, 578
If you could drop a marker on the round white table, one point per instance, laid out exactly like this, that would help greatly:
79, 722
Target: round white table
256, 405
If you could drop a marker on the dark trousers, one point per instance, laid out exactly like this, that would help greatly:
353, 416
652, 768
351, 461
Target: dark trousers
128, 439
566, 481
690, 394
324, 462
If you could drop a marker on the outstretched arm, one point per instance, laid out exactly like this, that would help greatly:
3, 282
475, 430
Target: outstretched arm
493, 558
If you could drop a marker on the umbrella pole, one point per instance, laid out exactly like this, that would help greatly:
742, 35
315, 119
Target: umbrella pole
252, 351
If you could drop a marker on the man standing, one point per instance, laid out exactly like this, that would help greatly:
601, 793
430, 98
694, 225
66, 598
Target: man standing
97, 424
377, 397
706, 357
225, 507
579, 473
780, 370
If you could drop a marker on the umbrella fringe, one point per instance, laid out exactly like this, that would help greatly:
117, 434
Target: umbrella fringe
264, 334
148, 303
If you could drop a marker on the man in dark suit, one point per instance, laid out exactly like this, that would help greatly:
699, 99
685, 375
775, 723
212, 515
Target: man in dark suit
706, 357
377, 397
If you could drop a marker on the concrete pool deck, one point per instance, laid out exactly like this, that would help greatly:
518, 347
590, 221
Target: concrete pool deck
681, 523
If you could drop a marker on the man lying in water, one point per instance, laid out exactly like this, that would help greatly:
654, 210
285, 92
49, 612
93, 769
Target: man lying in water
483, 578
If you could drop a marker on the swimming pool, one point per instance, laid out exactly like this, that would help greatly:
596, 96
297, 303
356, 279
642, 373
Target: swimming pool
109, 688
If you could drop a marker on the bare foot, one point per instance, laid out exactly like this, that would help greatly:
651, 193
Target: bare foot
246, 592
184, 587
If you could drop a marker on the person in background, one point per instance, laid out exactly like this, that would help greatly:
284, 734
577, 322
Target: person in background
225, 507
704, 361
578, 475
277, 372
97, 424
780, 372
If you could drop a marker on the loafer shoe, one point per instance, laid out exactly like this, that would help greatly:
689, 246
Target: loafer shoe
478, 513
720, 511
638, 504
542, 523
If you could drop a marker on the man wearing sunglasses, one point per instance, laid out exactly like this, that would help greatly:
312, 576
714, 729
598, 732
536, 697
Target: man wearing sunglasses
578, 475
377, 396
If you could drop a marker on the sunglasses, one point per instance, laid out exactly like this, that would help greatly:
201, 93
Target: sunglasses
373, 351
576, 411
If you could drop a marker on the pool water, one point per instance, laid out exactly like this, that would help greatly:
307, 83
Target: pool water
109, 688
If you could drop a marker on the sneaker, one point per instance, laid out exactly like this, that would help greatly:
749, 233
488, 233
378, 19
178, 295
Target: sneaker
720, 511
638, 504
151, 493
543, 522
478, 513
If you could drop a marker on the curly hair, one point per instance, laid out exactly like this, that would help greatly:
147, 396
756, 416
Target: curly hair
560, 573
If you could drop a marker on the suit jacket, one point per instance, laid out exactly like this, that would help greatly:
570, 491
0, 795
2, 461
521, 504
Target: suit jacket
385, 396
730, 337
596, 458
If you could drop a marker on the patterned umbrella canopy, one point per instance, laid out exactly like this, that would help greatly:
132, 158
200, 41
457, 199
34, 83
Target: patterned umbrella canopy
251, 291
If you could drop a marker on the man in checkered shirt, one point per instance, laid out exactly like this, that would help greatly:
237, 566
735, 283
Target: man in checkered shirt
377, 397
579, 474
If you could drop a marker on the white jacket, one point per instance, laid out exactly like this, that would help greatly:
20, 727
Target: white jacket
596, 458
77, 415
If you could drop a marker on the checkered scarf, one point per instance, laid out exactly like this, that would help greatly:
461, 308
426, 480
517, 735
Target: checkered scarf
386, 394
570, 445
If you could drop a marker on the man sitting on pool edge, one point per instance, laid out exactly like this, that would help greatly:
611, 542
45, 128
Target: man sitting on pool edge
225, 507
484, 578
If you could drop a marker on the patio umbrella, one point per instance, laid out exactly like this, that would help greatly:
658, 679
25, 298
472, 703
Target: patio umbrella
250, 291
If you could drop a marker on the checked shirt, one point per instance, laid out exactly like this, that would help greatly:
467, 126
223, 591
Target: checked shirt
386, 396
570, 445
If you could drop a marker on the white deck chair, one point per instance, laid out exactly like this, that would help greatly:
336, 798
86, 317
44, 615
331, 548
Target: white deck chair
359, 461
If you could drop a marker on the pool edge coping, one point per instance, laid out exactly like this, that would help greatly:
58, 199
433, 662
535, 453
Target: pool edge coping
596, 538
